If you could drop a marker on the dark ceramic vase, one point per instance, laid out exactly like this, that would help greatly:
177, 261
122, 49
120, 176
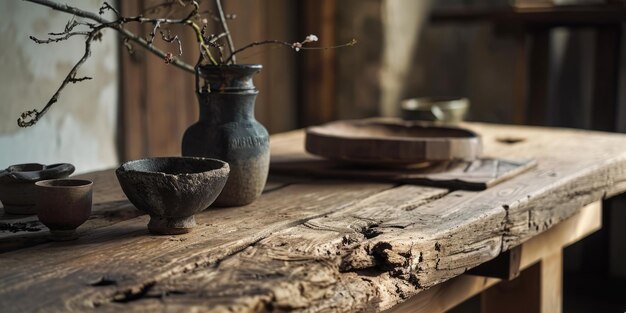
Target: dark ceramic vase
227, 130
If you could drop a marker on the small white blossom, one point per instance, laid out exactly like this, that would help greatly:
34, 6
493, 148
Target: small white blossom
296, 46
311, 38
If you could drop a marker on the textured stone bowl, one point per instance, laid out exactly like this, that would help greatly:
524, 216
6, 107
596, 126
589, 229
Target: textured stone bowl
172, 189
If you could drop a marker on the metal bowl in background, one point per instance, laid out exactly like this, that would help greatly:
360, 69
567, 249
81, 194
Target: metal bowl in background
443, 110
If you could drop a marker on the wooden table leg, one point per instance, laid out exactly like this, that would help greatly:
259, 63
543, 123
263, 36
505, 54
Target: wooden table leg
538, 289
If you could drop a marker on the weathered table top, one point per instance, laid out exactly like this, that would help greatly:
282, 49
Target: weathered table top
308, 244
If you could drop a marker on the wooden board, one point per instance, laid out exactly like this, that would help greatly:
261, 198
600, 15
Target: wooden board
384, 142
317, 245
468, 175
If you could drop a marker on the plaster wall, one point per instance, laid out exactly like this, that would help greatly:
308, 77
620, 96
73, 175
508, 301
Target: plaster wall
81, 127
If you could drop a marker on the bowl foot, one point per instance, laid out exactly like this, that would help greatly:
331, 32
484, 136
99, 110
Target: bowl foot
63, 235
171, 226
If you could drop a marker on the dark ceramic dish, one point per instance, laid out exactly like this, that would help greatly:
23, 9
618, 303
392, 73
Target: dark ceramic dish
17, 184
63, 205
172, 189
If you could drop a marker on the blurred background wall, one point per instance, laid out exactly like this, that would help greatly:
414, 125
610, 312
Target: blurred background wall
401, 52
81, 128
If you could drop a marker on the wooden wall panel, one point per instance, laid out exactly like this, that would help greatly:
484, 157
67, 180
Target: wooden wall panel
280, 69
157, 101
133, 121
318, 67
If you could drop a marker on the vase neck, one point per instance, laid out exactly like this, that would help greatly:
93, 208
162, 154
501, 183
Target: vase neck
220, 108
229, 78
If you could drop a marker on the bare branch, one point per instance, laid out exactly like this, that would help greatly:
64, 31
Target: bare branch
347, 44
71, 10
31, 117
71, 24
128, 46
116, 26
75, 80
296, 46
192, 20
61, 38
152, 34
213, 39
229, 38
106, 6
185, 21
169, 39
257, 43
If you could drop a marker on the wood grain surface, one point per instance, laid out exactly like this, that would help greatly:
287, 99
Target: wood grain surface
478, 174
315, 245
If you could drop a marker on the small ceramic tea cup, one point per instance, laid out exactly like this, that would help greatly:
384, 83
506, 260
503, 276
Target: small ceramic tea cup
63, 205
442, 110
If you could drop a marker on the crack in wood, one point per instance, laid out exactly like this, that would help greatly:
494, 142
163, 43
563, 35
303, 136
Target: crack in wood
133, 294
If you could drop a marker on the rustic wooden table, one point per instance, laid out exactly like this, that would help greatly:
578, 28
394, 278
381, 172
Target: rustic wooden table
328, 245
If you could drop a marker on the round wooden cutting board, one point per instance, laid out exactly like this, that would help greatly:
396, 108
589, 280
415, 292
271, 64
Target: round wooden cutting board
391, 142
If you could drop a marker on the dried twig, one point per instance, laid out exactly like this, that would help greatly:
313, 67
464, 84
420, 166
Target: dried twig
94, 29
169, 39
113, 25
31, 117
106, 6
222, 18
296, 45
59, 38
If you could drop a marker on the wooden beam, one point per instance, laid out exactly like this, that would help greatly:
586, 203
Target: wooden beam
538, 289
132, 92
317, 68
